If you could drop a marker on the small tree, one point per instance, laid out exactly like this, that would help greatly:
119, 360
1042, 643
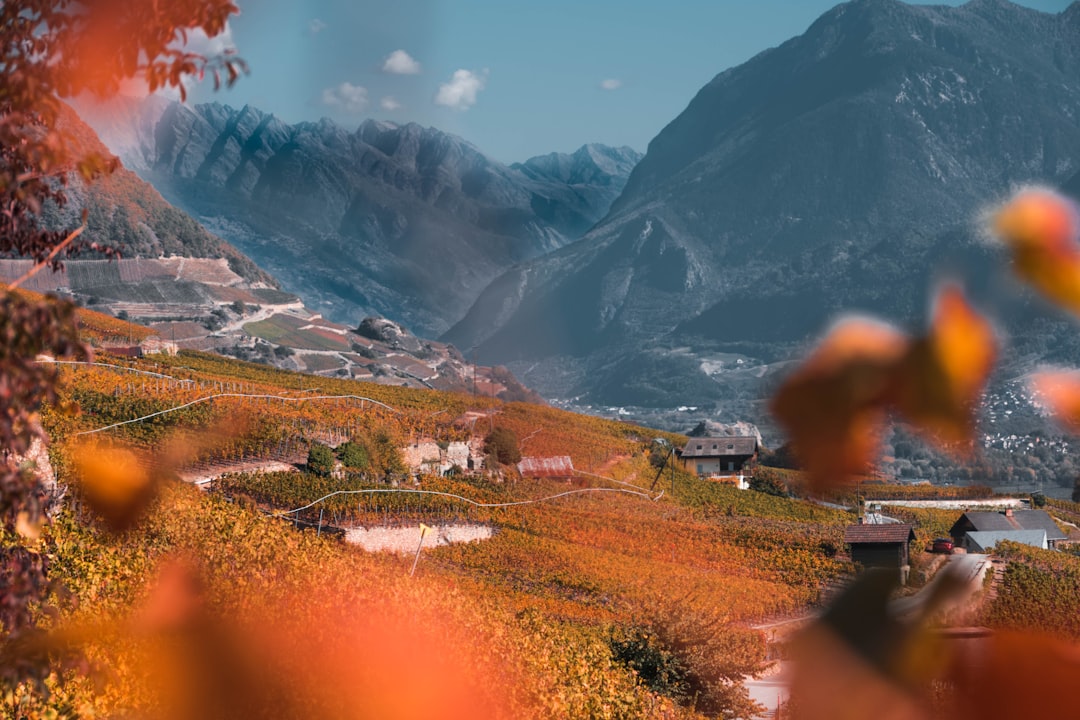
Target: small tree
354, 455
320, 460
502, 444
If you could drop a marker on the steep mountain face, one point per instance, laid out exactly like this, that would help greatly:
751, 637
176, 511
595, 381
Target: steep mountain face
844, 170
400, 220
126, 213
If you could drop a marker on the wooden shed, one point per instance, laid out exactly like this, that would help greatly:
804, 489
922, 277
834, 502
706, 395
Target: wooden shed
883, 546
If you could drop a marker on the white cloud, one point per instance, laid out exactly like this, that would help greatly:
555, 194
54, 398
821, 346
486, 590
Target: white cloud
610, 84
198, 42
400, 62
390, 104
460, 93
351, 98
315, 27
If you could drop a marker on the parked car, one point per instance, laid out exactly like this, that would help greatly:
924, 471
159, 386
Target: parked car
942, 545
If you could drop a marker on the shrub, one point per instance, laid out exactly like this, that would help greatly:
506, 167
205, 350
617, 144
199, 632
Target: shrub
320, 459
502, 444
354, 455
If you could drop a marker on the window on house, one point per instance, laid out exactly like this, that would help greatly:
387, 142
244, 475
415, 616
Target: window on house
730, 447
700, 469
731, 466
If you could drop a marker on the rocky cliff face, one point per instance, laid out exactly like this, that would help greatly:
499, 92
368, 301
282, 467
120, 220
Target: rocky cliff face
400, 220
844, 170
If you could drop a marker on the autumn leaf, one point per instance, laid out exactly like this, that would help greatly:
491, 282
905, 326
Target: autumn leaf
833, 406
1060, 391
1040, 228
113, 483
945, 371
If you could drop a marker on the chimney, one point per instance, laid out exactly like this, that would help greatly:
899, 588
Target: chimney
1008, 512
862, 520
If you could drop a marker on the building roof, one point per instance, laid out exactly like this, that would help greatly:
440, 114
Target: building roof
559, 466
872, 534
720, 446
1014, 520
987, 539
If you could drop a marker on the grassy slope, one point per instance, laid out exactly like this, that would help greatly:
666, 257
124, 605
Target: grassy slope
552, 582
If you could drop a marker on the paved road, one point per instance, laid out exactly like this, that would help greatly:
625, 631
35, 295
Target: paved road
954, 584
770, 691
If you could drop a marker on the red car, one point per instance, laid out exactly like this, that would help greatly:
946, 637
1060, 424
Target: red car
942, 545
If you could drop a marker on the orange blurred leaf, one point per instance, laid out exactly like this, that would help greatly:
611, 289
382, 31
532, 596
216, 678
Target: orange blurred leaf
945, 371
1040, 228
1013, 675
113, 483
1060, 390
832, 406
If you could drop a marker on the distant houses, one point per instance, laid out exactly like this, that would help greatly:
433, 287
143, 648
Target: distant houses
980, 531
882, 546
716, 456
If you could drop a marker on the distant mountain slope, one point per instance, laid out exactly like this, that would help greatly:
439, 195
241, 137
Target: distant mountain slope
844, 170
128, 214
401, 220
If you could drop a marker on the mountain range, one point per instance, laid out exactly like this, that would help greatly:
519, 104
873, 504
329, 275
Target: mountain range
398, 220
848, 169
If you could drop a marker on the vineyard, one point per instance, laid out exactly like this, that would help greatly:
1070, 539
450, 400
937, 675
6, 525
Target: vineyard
1039, 591
570, 566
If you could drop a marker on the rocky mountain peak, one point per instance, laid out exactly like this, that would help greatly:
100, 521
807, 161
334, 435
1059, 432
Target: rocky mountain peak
842, 170
397, 220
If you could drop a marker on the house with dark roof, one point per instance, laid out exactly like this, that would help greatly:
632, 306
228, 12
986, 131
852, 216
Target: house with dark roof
983, 541
882, 546
709, 456
1008, 520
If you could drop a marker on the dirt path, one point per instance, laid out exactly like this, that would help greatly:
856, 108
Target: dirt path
202, 476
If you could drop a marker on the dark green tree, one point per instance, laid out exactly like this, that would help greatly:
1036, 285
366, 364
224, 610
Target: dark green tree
354, 455
320, 460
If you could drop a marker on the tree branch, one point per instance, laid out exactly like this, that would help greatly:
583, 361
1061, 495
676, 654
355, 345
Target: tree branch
37, 268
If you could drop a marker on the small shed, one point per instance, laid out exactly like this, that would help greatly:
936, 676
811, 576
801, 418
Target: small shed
884, 546
707, 456
559, 467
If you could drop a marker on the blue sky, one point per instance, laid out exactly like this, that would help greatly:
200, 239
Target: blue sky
516, 78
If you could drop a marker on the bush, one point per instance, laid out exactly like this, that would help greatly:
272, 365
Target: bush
354, 455
768, 483
320, 460
660, 669
502, 444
